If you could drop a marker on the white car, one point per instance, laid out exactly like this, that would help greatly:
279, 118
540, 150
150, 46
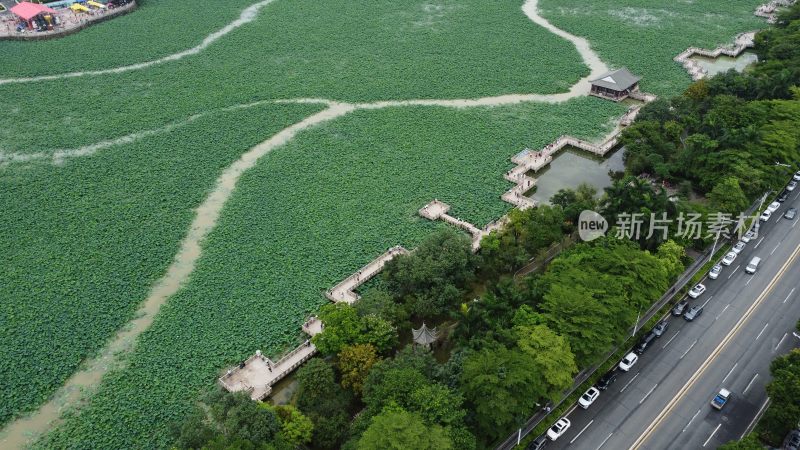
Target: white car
773, 207
589, 397
765, 215
738, 247
714, 272
748, 236
796, 176
790, 187
558, 428
628, 361
728, 259
697, 291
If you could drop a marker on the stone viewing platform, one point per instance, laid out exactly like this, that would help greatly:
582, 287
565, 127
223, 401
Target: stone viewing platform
345, 291
769, 10
741, 43
257, 374
437, 210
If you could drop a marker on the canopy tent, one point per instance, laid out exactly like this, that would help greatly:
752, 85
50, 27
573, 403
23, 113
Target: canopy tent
27, 10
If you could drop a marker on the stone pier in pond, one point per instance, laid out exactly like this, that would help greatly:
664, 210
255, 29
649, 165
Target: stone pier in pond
436, 210
345, 291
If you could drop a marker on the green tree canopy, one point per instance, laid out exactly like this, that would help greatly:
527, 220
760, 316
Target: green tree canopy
397, 429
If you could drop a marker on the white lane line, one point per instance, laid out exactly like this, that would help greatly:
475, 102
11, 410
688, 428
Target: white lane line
748, 281
690, 421
778, 219
729, 373
762, 330
734, 271
723, 310
752, 422
759, 242
579, 434
749, 384
790, 294
629, 383
648, 394
604, 441
776, 247
795, 223
712, 435
709, 299
687, 350
574, 407
780, 342
670, 339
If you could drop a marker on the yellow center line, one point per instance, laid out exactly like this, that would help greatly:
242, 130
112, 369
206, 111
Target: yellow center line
682, 392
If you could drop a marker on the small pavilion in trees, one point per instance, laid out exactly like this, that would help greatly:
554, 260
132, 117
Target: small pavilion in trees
425, 336
616, 85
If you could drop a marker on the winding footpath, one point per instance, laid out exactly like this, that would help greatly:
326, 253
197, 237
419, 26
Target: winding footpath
17, 433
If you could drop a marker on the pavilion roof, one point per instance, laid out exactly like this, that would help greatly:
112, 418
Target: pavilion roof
618, 80
425, 335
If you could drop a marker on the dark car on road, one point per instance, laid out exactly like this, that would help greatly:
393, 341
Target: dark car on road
606, 380
537, 443
680, 308
792, 441
645, 342
693, 313
661, 328
784, 196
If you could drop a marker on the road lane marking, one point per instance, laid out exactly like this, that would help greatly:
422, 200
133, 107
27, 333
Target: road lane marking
749, 384
581, 432
723, 310
776, 247
670, 339
687, 350
778, 219
712, 435
790, 294
734, 271
762, 330
759, 242
795, 223
709, 299
604, 441
748, 281
690, 421
755, 419
729, 373
714, 354
629, 383
574, 407
648, 394
780, 342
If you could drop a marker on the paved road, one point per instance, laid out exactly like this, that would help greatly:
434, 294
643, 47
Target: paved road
674, 381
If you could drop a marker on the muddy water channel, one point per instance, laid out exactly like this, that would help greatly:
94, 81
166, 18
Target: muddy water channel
573, 167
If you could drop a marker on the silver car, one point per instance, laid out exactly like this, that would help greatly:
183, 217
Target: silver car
738, 247
729, 259
790, 187
715, 271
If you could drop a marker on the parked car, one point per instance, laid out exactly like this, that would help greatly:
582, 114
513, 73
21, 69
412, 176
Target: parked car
607, 380
721, 398
792, 184
628, 361
715, 271
765, 215
792, 441
697, 290
790, 214
680, 308
748, 236
784, 195
796, 176
729, 258
693, 313
538, 443
589, 397
645, 342
773, 207
738, 247
661, 328
558, 429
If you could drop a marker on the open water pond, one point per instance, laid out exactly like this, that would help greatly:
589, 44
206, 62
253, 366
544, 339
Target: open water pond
724, 63
573, 167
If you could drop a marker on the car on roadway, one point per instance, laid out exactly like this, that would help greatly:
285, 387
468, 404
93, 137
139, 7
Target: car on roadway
792, 441
783, 196
792, 184
729, 258
721, 398
796, 176
748, 236
790, 214
589, 397
607, 380
765, 215
697, 291
558, 429
738, 247
661, 328
773, 207
645, 342
680, 308
628, 361
538, 443
693, 313
715, 271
